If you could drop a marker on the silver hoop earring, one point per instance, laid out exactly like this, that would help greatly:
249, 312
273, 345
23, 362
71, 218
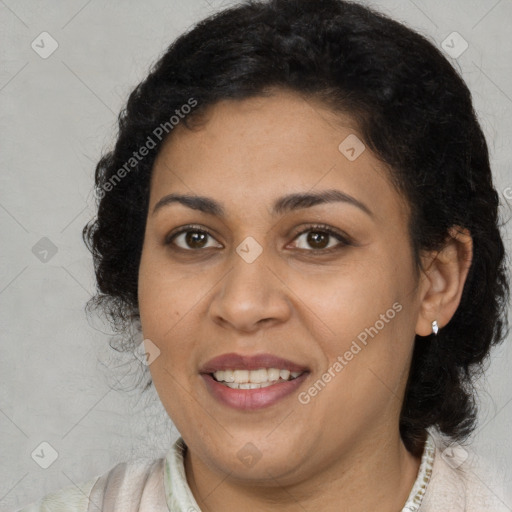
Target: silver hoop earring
435, 327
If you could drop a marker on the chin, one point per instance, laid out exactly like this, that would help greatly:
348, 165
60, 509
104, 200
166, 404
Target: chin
249, 459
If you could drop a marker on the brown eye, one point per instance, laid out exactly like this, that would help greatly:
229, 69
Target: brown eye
193, 239
320, 239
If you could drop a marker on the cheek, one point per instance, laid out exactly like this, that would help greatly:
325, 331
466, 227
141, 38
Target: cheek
367, 359
367, 325
173, 301
166, 295
355, 297
166, 302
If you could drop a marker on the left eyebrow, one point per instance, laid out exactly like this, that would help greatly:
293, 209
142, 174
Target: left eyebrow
281, 206
307, 200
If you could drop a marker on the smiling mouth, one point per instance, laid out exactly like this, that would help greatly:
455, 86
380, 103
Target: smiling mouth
254, 379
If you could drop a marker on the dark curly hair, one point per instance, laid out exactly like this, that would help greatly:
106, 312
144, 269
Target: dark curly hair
414, 112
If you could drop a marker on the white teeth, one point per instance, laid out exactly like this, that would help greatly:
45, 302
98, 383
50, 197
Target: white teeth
262, 377
247, 385
258, 376
273, 374
241, 376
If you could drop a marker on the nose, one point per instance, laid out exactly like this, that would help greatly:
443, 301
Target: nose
250, 296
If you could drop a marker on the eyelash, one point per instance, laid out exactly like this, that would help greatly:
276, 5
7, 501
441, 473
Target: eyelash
321, 228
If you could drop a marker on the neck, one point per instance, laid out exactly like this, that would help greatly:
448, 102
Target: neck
372, 476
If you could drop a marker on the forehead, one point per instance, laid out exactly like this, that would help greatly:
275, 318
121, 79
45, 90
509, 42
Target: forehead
256, 149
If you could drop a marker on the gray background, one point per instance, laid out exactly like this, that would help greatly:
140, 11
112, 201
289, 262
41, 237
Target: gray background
58, 114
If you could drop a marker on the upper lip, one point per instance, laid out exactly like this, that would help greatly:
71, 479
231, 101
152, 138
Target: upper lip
233, 361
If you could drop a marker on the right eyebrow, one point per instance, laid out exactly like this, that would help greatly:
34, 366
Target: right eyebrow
203, 204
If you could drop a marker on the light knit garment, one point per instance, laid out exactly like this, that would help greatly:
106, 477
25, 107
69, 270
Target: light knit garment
445, 483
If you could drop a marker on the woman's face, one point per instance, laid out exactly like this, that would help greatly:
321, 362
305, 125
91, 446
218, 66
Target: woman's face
257, 274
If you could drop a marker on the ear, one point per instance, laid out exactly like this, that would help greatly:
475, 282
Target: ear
443, 277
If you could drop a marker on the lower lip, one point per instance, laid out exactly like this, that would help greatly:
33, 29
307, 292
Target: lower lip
252, 399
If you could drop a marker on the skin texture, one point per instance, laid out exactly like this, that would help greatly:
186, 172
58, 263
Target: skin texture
344, 445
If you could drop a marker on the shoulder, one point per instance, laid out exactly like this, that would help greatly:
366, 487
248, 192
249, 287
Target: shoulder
124, 487
461, 481
69, 499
